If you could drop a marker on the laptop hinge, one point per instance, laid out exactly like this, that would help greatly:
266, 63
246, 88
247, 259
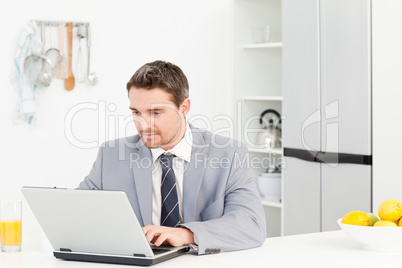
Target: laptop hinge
65, 249
139, 255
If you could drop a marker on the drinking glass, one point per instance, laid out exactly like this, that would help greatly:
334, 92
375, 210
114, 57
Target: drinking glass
10, 226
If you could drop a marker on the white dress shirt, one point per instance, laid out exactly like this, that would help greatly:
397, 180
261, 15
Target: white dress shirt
182, 150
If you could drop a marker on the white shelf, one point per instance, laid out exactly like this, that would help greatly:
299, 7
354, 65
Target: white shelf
262, 98
263, 45
266, 151
271, 203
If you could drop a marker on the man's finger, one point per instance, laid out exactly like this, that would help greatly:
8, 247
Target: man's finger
162, 237
151, 233
147, 228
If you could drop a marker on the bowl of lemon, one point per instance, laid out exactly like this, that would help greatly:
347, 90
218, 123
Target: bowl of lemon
379, 233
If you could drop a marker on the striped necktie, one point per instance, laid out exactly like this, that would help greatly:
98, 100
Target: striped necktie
170, 215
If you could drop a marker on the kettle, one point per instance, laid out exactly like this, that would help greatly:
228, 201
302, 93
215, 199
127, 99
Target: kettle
270, 136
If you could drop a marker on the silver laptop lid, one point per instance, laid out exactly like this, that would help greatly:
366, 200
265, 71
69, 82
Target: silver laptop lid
90, 221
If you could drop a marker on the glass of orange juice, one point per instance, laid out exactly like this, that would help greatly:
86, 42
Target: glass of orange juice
10, 226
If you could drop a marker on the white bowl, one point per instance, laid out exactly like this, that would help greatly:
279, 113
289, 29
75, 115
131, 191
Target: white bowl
269, 186
375, 238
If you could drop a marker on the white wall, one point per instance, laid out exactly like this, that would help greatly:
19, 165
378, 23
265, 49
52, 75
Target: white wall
387, 96
196, 35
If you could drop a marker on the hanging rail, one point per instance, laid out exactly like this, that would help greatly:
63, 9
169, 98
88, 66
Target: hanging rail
56, 23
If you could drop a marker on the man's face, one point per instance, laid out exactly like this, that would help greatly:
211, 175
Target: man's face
158, 121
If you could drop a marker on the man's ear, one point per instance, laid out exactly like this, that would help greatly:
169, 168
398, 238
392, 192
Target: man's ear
185, 106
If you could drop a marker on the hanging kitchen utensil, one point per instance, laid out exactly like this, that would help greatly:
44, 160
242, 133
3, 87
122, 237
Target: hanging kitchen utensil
38, 69
53, 54
270, 135
92, 77
62, 69
70, 81
81, 75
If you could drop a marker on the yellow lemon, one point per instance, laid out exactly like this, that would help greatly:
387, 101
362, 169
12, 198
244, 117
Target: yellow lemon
390, 209
385, 223
356, 218
400, 223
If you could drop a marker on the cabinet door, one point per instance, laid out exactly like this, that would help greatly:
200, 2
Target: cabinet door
345, 188
301, 81
300, 109
302, 197
346, 106
345, 76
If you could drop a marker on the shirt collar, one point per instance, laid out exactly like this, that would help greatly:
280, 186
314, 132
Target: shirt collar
181, 150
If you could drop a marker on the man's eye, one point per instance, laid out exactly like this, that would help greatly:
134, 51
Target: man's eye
135, 113
156, 113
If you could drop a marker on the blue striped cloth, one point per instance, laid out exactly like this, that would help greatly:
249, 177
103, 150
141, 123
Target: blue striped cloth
29, 43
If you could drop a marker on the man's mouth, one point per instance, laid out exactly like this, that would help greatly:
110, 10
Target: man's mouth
149, 135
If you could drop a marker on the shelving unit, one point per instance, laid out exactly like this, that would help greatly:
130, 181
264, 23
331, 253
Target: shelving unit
271, 203
257, 84
263, 45
266, 151
262, 98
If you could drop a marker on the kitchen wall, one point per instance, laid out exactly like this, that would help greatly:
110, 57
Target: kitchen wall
60, 150
387, 96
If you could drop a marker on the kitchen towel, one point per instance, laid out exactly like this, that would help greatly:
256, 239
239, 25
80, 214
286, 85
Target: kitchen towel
29, 43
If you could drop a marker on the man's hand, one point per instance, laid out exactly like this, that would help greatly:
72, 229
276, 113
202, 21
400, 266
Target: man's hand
161, 235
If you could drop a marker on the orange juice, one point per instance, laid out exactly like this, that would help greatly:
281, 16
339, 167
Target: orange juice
10, 232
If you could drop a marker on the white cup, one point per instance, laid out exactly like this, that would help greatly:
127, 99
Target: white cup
269, 186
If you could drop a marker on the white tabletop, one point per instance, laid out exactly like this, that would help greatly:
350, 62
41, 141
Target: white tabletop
327, 249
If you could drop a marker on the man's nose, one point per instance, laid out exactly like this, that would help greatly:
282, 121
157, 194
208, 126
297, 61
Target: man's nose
144, 122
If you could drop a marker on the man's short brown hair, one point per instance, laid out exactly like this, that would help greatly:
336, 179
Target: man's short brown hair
163, 75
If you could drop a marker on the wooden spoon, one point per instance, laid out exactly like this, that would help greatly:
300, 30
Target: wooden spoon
70, 81
62, 70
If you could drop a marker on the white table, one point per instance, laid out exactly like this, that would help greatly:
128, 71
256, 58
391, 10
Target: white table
327, 249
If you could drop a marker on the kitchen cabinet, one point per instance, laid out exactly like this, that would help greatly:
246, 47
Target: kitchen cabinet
333, 70
257, 84
327, 103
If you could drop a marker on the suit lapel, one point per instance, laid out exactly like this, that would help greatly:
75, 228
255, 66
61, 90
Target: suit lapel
142, 171
193, 175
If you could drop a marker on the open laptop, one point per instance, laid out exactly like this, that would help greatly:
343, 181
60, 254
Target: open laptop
95, 226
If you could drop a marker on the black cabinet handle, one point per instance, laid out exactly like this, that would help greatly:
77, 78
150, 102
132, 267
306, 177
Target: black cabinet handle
328, 157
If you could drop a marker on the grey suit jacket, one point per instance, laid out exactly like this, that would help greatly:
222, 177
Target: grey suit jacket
220, 201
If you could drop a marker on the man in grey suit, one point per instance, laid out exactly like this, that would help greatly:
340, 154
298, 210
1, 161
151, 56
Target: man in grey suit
205, 196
